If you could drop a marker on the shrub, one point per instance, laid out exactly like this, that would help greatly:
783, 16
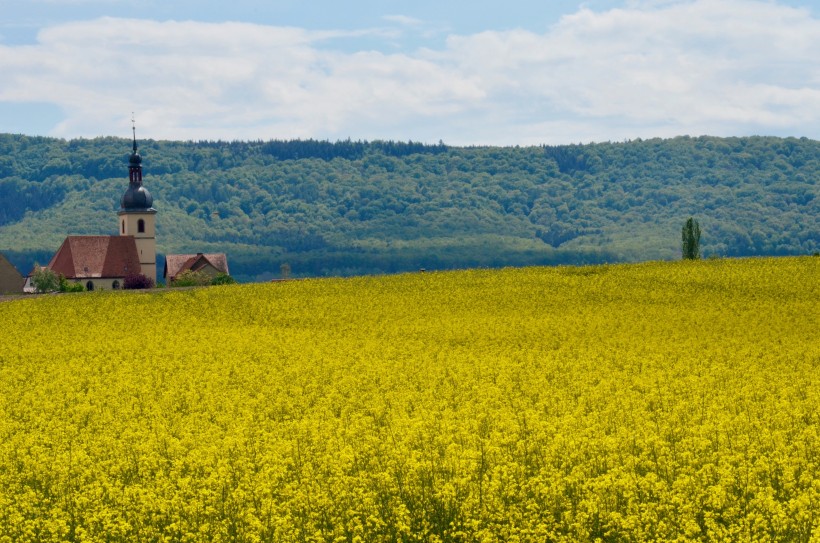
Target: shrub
190, 278
135, 281
70, 286
223, 279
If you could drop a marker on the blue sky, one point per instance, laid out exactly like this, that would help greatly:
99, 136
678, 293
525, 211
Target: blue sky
468, 73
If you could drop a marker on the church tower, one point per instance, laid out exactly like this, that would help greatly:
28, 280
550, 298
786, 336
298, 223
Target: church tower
138, 217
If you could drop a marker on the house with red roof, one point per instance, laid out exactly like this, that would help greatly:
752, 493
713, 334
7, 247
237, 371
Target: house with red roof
210, 264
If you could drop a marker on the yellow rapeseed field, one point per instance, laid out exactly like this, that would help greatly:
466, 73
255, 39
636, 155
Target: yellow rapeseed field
660, 401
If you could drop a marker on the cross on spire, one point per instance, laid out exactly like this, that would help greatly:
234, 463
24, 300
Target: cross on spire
134, 130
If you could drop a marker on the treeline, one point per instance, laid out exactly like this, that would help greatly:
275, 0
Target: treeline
352, 207
350, 150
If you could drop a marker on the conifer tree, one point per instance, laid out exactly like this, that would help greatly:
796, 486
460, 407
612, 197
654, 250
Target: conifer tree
690, 239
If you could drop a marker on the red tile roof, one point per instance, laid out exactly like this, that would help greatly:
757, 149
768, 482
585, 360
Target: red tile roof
96, 256
176, 264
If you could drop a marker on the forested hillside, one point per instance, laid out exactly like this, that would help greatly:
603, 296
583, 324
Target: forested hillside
355, 207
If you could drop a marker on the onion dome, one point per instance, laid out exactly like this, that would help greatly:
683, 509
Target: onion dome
136, 197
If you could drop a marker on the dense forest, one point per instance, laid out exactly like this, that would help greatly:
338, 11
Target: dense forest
353, 207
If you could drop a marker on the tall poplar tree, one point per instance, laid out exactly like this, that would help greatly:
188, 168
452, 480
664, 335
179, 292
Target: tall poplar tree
690, 239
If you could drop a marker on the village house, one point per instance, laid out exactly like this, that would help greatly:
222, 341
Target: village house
11, 282
211, 264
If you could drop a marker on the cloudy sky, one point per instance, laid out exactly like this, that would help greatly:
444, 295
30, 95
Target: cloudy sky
512, 72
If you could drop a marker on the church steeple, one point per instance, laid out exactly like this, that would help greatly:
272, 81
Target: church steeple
137, 217
135, 162
136, 197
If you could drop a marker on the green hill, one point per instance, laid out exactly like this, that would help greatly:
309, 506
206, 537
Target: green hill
354, 207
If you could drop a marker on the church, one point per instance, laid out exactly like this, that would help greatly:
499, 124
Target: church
103, 262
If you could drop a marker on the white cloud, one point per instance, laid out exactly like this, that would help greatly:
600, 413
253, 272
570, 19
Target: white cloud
727, 66
653, 68
403, 20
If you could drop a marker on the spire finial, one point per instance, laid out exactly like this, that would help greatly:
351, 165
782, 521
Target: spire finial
134, 130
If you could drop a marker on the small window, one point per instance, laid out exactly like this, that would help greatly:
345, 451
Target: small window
115, 285
89, 286
123, 227
141, 226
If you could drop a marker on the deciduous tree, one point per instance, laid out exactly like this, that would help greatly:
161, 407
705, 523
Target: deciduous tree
44, 280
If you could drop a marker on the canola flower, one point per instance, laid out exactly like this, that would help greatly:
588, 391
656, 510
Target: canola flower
660, 401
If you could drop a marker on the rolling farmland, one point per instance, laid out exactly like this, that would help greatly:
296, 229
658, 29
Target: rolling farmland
657, 401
